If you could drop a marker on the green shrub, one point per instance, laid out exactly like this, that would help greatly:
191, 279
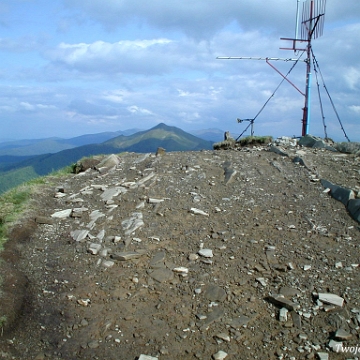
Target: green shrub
255, 140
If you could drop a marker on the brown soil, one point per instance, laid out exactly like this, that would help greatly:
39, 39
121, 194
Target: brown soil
263, 227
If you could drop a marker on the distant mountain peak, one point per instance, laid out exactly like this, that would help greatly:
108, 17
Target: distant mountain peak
163, 126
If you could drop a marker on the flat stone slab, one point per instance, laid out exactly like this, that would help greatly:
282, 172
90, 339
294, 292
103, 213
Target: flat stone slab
283, 302
79, 235
162, 275
196, 211
343, 195
289, 292
323, 356
229, 174
220, 355
108, 194
126, 255
353, 207
278, 151
63, 214
215, 293
94, 248
339, 193
147, 357
207, 253
240, 321
343, 335
331, 299
133, 223
213, 316
158, 260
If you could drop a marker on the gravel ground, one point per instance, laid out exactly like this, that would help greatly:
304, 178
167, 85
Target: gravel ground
188, 255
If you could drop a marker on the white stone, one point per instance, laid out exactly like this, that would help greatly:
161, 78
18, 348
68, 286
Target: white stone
206, 253
198, 212
262, 281
155, 201
145, 179
147, 357
83, 302
291, 266
323, 356
141, 205
335, 345
108, 194
63, 214
181, 270
220, 355
101, 234
104, 252
283, 315
107, 263
223, 336
94, 248
331, 299
133, 223
80, 209
193, 257
111, 207
79, 235
109, 162
96, 214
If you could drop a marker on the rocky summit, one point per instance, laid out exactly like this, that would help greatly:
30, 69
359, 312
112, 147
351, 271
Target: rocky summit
237, 254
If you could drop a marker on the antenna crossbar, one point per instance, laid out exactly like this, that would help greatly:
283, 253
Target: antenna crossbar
256, 58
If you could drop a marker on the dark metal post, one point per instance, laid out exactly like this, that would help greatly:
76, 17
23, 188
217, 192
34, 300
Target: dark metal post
306, 112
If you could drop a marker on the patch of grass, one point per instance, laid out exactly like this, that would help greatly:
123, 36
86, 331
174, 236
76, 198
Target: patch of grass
14, 202
255, 140
2, 321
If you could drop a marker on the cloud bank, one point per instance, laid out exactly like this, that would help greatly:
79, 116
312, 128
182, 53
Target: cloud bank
75, 67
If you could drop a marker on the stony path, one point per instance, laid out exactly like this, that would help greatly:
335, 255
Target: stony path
229, 254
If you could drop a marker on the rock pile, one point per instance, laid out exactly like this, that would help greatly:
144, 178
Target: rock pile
195, 255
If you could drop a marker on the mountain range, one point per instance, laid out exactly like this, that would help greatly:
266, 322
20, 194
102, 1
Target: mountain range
24, 160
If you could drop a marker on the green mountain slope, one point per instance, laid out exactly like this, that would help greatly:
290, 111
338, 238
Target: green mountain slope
169, 137
41, 147
13, 178
53, 145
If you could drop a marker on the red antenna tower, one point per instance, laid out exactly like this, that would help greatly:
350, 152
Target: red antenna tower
311, 27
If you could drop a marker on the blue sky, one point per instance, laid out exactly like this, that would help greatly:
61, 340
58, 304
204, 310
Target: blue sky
73, 67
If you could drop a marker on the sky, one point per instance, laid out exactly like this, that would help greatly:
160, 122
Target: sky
74, 67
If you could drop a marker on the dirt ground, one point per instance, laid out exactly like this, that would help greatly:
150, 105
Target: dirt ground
180, 256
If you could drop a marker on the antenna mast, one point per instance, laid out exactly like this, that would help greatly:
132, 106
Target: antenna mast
311, 27
297, 20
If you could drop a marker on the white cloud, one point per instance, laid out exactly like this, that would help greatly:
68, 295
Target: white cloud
140, 56
35, 107
355, 109
156, 62
203, 19
136, 110
352, 77
116, 96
